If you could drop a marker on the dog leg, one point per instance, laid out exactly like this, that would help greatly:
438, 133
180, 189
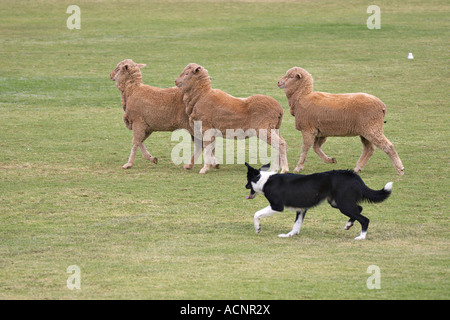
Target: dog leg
266, 212
297, 225
364, 224
353, 211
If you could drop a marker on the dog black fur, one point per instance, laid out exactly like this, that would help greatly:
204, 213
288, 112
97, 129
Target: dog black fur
343, 189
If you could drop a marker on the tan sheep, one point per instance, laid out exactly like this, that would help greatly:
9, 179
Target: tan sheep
218, 110
148, 109
319, 115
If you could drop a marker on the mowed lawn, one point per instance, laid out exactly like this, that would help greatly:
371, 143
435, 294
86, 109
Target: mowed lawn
160, 232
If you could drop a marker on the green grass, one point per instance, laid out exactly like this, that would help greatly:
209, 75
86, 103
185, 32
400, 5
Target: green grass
159, 232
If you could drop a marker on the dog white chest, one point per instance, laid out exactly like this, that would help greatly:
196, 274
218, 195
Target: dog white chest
258, 186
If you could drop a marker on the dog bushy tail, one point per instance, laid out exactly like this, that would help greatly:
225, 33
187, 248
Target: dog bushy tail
377, 195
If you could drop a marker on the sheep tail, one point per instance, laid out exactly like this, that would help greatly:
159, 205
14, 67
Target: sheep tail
383, 109
280, 119
377, 195
127, 121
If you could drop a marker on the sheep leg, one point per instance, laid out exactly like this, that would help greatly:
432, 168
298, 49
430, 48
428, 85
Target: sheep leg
130, 162
308, 140
282, 153
193, 157
147, 154
209, 158
144, 150
368, 149
384, 144
139, 135
214, 162
318, 142
266, 136
273, 138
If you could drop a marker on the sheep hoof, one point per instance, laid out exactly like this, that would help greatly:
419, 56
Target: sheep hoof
188, 167
298, 169
216, 166
154, 160
203, 171
332, 160
401, 171
127, 165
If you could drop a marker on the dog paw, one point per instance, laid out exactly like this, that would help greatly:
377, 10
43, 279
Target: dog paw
284, 235
287, 235
348, 226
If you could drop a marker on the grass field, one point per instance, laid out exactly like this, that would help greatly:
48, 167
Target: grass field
159, 232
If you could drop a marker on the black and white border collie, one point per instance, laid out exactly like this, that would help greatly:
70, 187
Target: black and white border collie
343, 189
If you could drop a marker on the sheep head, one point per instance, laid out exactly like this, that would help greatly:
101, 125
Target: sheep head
124, 69
296, 78
191, 76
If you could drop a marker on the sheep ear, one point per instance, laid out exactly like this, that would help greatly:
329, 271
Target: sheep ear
299, 75
197, 69
141, 65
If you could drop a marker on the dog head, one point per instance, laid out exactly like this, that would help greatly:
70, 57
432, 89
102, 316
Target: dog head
253, 175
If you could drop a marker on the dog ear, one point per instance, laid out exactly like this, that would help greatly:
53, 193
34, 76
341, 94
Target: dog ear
251, 169
265, 167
